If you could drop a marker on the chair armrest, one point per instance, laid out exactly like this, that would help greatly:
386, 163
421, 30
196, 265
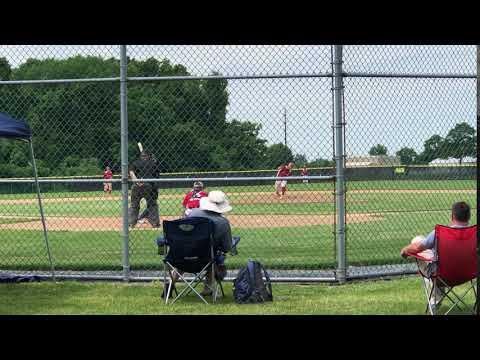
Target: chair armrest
420, 257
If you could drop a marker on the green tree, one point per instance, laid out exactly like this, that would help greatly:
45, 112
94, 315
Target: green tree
5, 69
460, 142
71, 68
276, 155
407, 155
243, 148
300, 159
378, 149
76, 126
321, 163
433, 148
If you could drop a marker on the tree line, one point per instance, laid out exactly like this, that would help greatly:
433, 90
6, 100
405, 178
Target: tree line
460, 142
76, 126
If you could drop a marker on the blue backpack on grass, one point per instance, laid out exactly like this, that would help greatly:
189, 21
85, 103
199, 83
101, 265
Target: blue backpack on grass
249, 286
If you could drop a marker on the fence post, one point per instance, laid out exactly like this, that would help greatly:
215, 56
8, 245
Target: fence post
124, 160
478, 122
339, 164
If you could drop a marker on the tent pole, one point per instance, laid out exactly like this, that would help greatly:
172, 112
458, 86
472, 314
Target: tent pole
41, 210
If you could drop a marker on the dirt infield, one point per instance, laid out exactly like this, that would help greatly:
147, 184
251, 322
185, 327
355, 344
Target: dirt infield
239, 221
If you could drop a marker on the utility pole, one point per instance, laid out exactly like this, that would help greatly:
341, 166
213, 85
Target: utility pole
285, 124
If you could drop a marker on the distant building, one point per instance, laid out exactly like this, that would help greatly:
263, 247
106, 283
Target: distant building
453, 161
378, 160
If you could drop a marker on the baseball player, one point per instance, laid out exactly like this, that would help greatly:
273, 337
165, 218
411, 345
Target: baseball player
145, 167
143, 217
107, 186
304, 173
281, 185
192, 199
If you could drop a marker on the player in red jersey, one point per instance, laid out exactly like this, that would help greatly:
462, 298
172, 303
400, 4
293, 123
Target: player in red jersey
107, 174
304, 173
192, 199
281, 185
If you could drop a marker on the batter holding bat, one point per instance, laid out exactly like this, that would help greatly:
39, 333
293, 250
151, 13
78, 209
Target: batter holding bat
146, 168
281, 185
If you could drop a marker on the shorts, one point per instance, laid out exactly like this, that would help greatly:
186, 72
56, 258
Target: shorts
107, 186
280, 183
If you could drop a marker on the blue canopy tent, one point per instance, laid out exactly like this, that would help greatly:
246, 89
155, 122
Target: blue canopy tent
19, 130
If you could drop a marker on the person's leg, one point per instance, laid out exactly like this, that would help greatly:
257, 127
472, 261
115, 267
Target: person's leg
173, 278
143, 215
134, 209
208, 283
427, 268
284, 187
278, 188
220, 273
152, 206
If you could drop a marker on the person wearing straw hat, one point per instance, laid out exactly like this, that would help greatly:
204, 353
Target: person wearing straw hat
213, 207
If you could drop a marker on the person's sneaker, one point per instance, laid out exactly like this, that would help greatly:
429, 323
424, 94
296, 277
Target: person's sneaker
206, 292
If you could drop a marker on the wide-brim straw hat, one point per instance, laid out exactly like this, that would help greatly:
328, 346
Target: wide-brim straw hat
216, 201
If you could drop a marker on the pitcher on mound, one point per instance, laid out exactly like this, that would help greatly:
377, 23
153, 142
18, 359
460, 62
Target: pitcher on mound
281, 185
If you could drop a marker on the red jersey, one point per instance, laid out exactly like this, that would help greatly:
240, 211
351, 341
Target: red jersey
192, 200
283, 171
107, 174
304, 172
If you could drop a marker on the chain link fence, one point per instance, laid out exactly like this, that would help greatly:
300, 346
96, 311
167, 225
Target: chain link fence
398, 120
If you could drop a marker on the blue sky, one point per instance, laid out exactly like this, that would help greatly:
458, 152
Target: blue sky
393, 112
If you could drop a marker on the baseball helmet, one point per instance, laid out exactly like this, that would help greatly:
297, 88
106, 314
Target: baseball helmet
197, 186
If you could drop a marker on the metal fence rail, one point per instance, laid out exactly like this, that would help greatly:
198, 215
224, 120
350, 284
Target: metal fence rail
378, 128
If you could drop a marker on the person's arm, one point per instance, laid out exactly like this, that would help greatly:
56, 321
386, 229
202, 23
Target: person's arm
185, 200
412, 249
134, 177
227, 239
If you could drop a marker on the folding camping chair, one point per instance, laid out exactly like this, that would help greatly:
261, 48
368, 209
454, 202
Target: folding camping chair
455, 264
189, 249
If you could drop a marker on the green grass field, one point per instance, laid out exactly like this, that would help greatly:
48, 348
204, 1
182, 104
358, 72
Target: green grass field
403, 296
401, 216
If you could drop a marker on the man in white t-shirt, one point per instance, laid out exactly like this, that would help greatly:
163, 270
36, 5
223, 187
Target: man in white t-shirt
425, 246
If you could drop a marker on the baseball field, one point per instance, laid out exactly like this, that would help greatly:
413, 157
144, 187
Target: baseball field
296, 232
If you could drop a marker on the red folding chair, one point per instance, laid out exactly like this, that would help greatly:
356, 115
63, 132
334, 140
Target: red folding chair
455, 264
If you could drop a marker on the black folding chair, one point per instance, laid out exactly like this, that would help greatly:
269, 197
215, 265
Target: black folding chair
189, 249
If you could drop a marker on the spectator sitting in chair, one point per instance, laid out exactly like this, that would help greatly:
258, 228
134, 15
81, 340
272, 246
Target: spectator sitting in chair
425, 246
213, 207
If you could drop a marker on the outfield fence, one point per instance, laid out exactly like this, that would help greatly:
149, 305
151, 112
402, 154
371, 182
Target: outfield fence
387, 134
